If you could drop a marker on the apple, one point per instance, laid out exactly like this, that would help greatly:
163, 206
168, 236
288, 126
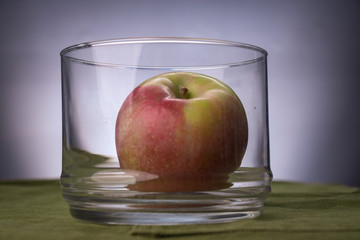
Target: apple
188, 129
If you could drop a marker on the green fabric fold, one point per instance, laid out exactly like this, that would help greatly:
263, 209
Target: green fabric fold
36, 210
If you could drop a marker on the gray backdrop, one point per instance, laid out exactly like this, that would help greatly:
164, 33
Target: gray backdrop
313, 69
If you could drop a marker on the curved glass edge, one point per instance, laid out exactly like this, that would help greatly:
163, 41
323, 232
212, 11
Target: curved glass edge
120, 41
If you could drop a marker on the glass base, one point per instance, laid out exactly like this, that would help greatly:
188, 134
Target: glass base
106, 197
119, 217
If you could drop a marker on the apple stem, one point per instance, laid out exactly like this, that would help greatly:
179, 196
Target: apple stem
183, 92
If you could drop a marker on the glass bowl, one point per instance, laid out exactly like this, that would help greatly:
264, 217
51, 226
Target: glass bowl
165, 131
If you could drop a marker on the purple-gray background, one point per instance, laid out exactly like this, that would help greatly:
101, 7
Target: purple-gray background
314, 84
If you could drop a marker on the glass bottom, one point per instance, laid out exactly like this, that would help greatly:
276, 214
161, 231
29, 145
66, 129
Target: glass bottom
105, 197
164, 208
120, 217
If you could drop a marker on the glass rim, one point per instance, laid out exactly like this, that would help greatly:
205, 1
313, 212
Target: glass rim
183, 40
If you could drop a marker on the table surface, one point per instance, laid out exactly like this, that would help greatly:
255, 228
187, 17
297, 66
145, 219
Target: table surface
36, 210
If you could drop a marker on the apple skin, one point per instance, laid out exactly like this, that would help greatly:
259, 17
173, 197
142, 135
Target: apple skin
200, 136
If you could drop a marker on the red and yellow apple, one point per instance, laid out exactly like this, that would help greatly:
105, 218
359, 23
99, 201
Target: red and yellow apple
188, 129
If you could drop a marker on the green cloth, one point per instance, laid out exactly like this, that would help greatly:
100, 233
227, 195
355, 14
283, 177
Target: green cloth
36, 210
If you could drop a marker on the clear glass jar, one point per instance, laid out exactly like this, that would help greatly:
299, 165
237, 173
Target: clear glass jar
206, 162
